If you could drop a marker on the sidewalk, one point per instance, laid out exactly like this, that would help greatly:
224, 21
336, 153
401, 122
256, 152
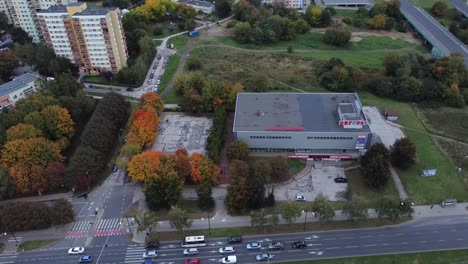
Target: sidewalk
420, 212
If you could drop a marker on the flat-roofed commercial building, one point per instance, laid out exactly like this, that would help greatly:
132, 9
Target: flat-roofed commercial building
304, 125
16, 89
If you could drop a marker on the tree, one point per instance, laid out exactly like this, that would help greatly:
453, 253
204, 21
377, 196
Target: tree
290, 49
143, 129
325, 18
58, 122
394, 210
194, 64
378, 22
145, 166
7, 186
238, 150
163, 192
290, 211
146, 221
374, 166
238, 169
22, 131
273, 220
255, 192
4, 24
323, 208
179, 219
222, 8
338, 36
337, 79
55, 173
262, 170
259, 219
203, 169
205, 198
182, 164
241, 32
313, 15
8, 62
356, 208
279, 169
258, 82
439, 8
236, 197
403, 153
152, 102
61, 212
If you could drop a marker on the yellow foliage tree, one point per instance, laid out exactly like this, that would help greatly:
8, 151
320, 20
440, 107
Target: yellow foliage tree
145, 165
378, 21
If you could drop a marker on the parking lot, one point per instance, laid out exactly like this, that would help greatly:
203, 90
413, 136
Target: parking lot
179, 130
386, 132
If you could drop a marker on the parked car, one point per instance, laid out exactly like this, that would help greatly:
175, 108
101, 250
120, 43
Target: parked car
150, 254
159, 57
160, 77
76, 250
275, 246
226, 250
129, 89
254, 245
264, 257
190, 251
155, 66
164, 66
229, 260
299, 244
151, 75
158, 81
341, 180
299, 198
233, 239
152, 245
86, 259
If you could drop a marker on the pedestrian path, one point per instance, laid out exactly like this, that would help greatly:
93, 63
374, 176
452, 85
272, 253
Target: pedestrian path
134, 254
8, 258
79, 229
15, 240
109, 227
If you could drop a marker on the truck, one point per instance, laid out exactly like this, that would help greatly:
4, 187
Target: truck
193, 33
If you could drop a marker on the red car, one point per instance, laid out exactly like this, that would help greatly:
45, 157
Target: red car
192, 261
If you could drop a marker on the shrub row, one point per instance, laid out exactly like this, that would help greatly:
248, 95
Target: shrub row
216, 138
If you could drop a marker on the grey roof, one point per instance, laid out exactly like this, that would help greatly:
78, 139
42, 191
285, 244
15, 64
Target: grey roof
197, 3
301, 112
347, 2
17, 84
75, 4
95, 11
54, 9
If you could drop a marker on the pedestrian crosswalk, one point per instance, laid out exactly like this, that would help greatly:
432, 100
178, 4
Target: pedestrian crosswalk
134, 254
8, 258
109, 227
81, 226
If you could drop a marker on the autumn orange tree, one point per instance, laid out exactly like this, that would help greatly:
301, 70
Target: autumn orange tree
152, 102
145, 165
58, 122
204, 169
22, 131
156, 9
143, 128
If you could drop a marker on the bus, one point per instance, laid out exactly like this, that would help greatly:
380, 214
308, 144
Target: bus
194, 241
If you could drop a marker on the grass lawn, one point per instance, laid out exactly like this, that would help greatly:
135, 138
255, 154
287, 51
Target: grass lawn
169, 72
295, 165
101, 80
188, 205
427, 4
93, 4
437, 257
171, 97
33, 244
447, 183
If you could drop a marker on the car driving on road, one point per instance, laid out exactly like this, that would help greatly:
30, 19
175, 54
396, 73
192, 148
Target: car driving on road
264, 257
234, 239
229, 260
86, 259
299, 244
150, 254
190, 251
254, 245
226, 250
276, 246
76, 250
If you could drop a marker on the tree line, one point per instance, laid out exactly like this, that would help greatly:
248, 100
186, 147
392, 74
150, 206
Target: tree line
217, 134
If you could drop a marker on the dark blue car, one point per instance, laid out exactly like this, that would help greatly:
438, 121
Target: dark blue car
86, 259
115, 169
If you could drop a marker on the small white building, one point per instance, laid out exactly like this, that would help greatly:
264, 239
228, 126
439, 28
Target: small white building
16, 89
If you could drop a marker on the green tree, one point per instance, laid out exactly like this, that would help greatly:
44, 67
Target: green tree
238, 169
290, 49
273, 220
325, 18
279, 169
237, 197
258, 82
258, 218
374, 166
163, 192
394, 210
378, 22
238, 150
262, 170
7, 186
146, 221
403, 153
255, 192
242, 32
222, 8
337, 80
205, 198
323, 208
61, 212
356, 209
179, 219
4, 24
313, 15
439, 8
337, 36
290, 211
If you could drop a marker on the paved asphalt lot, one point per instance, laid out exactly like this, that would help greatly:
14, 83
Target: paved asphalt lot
427, 235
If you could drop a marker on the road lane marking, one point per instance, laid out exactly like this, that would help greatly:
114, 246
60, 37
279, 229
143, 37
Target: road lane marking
351, 246
333, 238
370, 245
424, 241
364, 236
332, 247
404, 243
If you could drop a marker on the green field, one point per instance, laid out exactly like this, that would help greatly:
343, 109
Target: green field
427, 4
179, 43
437, 257
447, 182
34, 244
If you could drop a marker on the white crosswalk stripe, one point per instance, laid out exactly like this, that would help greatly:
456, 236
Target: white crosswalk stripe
83, 225
109, 224
134, 254
8, 258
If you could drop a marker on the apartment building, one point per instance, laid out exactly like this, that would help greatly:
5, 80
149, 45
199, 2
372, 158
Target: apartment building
23, 13
298, 4
92, 38
16, 89
4, 8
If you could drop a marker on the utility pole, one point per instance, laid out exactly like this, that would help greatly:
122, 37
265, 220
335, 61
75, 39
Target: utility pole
209, 224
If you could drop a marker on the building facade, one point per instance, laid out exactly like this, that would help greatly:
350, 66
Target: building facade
198, 5
4, 8
298, 4
16, 89
92, 38
304, 125
23, 14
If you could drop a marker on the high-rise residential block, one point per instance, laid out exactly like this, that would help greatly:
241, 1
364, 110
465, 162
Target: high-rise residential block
92, 38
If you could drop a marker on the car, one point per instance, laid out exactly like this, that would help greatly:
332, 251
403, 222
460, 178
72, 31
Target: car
115, 169
299, 244
192, 261
229, 259
152, 245
151, 75
159, 57
160, 77
341, 180
153, 71
275, 246
76, 250
86, 259
155, 66
254, 245
299, 198
150, 254
233, 239
155, 88
129, 89
149, 81
164, 66
226, 250
158, 82
191, 251
264, 257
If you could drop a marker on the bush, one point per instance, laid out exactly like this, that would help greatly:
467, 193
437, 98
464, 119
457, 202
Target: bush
231, 24
439, 8
403, 153
238, 150
347, 20
216, 137
194, 64
338, 36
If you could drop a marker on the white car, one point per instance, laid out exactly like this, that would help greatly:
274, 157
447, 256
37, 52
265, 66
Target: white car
226, 250
299, 198
254, 245
76, 250
229, 259
150, 254
190, 251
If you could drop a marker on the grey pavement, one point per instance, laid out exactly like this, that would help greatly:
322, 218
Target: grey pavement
41, 198
398, 184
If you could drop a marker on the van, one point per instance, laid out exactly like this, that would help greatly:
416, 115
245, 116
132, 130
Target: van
229, 260
449, 202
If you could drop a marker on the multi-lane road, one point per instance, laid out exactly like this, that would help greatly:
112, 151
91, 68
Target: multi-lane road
423, 235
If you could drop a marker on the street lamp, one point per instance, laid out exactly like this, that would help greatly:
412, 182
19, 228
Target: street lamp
209, 224
305, 218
